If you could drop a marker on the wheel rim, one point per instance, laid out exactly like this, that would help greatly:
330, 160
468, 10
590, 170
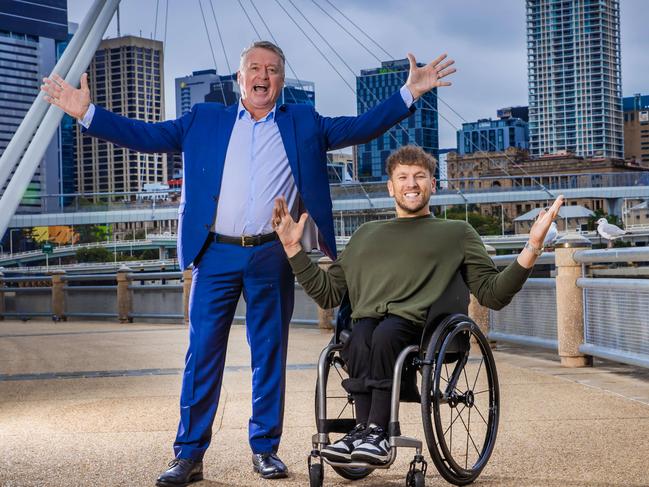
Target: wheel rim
340, 403
466, 420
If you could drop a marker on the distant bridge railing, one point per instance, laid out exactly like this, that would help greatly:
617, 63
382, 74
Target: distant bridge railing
124, 295
592, 308
594, 304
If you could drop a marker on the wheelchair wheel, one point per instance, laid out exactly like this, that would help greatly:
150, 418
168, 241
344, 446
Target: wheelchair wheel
340, 406
460, 399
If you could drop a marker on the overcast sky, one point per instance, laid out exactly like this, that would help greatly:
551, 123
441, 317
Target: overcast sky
486, 38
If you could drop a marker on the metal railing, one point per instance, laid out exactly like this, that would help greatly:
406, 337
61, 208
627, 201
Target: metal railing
531, 317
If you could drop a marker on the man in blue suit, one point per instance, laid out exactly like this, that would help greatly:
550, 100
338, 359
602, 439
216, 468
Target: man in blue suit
237, 160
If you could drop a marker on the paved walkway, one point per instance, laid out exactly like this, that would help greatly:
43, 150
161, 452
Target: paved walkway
95, 404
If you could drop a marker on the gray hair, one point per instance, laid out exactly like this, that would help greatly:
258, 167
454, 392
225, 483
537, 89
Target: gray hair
262, 45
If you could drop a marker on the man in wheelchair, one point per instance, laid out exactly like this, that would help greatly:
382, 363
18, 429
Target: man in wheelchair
392, 271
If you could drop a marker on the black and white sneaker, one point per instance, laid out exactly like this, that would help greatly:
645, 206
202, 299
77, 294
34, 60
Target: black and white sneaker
341, 450
374, 449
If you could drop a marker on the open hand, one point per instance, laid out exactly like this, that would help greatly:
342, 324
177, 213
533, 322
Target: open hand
289, 231
422, 80
60, 93
543, 222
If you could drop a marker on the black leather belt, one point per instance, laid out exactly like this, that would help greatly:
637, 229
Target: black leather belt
244, 240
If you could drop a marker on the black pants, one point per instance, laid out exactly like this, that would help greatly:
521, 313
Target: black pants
371, 353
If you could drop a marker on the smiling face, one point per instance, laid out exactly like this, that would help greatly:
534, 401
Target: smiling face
411, 187
261, 79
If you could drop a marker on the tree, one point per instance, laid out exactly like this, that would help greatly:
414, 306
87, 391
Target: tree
484, 225
94, 254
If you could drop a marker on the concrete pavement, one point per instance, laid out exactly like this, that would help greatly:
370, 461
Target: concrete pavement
96, 404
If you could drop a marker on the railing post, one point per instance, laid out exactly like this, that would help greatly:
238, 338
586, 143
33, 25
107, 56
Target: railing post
124, 295
58, 295
477, 312
2, 296
570, 302
187, 287
325, 316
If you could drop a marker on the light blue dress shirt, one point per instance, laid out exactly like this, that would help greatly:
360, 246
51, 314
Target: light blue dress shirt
256, 171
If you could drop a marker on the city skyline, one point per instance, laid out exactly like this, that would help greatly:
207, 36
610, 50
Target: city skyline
482, 39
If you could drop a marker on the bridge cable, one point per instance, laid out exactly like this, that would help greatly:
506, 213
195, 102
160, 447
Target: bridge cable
218, 30
390, 133
277, 44
209, 40
297, 78
249, 19
480, 151
424, 101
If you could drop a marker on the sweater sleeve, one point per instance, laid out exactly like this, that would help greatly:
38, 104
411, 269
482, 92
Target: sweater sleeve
326, 288
492, 288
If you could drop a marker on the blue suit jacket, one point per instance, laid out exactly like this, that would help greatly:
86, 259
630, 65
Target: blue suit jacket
203, 135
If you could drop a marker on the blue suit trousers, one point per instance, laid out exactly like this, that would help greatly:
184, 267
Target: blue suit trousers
264, 277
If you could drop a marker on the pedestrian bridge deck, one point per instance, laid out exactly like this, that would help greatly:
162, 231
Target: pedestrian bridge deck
96, 404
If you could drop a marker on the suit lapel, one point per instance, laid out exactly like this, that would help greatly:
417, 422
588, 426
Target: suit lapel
286, 126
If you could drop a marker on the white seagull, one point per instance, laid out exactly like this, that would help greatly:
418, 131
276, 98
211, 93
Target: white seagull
608, 231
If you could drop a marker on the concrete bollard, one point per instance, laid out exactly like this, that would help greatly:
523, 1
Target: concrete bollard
58, 295
187, 287
2, 296
124, 295
325, 316
570, 302
477, 312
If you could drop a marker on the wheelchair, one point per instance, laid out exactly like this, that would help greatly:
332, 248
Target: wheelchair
459, 397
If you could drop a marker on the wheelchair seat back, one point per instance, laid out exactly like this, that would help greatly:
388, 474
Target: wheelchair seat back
454, 300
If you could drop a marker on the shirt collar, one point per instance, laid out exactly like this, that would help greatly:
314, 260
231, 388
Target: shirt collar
241, 112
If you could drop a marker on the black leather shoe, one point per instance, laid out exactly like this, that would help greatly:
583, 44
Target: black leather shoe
181, 472
269, 466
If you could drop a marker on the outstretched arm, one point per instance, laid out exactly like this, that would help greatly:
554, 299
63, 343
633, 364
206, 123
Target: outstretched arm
326, 288
133, 134
345, 131
493, 288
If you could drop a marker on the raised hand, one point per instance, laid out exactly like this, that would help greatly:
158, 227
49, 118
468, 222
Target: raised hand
543, 222
289, 231
60, 93
422, 80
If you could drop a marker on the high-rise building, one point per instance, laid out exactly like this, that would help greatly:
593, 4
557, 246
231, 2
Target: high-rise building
636, 128
192, 89
28, 35
340, 167
125, 77
573, 52
226, 90
488, 135
67, 138
376, 85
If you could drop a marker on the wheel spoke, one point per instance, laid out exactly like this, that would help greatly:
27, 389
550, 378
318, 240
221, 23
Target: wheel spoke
466, 379
481, 392
469, 434
478, 410
458, 415
478, 374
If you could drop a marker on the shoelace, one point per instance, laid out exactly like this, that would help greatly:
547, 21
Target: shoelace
375, 434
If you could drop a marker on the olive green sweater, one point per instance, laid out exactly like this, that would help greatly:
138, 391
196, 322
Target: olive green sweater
401, 266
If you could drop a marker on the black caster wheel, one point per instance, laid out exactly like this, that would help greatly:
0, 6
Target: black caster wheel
415, 478
316, 475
